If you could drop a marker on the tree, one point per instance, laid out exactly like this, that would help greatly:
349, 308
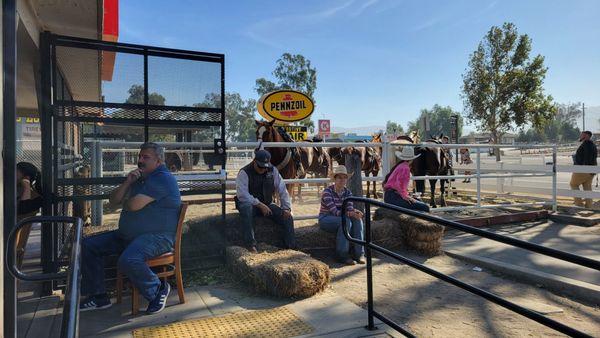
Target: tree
502, 88
440, 122
239, 115
393, 128
136, 95
560, 129
292, 71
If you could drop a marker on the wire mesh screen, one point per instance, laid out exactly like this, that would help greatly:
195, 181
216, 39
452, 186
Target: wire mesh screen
181, 82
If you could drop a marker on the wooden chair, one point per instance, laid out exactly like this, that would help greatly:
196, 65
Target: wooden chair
170, 263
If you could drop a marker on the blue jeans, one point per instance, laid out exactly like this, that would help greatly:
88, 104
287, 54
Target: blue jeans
392, 197
248, 212
333, 224
131, 262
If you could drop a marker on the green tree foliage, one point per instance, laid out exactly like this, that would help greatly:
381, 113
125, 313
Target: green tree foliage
439, 122
239, 115
393, 128
136, 95
502, 87
562, 128
292, 71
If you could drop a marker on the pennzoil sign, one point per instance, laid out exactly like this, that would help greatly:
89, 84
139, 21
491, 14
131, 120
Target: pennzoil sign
285, 105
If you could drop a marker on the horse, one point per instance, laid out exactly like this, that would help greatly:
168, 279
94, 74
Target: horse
371, 162
288, 161
370, 158
433, 161
316, 161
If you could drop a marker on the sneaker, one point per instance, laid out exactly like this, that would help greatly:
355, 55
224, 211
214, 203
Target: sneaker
346, 261
95, 303
160, 301
360, 260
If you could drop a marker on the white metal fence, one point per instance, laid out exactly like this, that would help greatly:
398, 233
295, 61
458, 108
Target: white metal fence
544, 176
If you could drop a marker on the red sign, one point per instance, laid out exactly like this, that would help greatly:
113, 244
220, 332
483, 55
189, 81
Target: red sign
324, 126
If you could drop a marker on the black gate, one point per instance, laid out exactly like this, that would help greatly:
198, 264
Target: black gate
100, 101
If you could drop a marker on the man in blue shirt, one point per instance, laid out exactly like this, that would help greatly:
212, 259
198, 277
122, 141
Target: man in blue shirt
151, 202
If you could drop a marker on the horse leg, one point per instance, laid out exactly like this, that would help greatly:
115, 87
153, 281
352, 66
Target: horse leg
432, 184
443, 192
375, 173
368, 183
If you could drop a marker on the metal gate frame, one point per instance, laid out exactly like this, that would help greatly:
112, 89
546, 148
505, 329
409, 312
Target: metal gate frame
61, 155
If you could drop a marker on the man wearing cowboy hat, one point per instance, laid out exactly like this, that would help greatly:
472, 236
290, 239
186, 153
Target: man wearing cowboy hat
397, 181
330, 218
255, 186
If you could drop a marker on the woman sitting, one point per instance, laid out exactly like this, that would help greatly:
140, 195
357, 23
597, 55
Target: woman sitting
396, 183
29, 201
330, 218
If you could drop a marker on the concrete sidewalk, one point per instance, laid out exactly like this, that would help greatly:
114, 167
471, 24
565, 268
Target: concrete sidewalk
535, 268
329, 314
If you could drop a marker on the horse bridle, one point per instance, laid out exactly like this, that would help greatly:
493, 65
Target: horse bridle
286, 158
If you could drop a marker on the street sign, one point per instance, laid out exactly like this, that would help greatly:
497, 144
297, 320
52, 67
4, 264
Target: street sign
324, 127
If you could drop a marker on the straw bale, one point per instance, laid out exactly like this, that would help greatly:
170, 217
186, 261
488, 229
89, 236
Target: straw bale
426, 248
279, 273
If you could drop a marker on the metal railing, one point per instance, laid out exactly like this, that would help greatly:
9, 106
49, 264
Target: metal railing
369, 246
70, 316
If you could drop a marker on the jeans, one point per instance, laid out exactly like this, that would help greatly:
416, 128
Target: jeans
248, 212
333, 224
392, 197
131, 262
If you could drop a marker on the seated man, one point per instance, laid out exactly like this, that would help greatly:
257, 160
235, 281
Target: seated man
255, 185
151, 202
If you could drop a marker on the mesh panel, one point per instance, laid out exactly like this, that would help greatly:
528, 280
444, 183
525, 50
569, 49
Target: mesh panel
181, 82
192, 116
94, 76
104, 112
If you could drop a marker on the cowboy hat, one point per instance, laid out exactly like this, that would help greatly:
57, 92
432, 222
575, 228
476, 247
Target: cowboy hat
340, 170
407, 154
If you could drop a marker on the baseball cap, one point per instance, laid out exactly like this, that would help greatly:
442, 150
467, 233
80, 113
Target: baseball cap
262, 158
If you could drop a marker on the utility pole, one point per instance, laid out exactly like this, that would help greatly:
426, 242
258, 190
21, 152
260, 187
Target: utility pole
583, 110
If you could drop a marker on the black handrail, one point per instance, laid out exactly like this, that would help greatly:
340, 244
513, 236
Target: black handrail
70, 316
561, 255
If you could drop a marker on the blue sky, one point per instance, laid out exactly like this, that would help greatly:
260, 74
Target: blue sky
377, 60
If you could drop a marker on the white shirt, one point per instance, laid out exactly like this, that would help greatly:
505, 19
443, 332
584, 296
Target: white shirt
244, 196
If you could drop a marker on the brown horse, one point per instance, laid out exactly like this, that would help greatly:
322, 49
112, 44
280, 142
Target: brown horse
371, 163
288, 161
370, 158
317, 162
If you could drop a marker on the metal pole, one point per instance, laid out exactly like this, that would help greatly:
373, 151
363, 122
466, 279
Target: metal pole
478, 177
371, 325
554, 179
385, 157
583, 115
9, 108
96, 172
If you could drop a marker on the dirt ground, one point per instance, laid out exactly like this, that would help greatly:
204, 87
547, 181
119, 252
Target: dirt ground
433, 308
427, 306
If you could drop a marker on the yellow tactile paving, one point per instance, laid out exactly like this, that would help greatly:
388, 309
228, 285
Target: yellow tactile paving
277, 322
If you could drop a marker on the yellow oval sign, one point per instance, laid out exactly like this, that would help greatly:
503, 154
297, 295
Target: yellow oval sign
285, 105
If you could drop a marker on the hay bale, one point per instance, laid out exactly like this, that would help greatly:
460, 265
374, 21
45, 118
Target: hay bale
280, 273
417, 234
312, 237
426, 248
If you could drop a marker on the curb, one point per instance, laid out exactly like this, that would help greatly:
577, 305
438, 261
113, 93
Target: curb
575, 220
582, 291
